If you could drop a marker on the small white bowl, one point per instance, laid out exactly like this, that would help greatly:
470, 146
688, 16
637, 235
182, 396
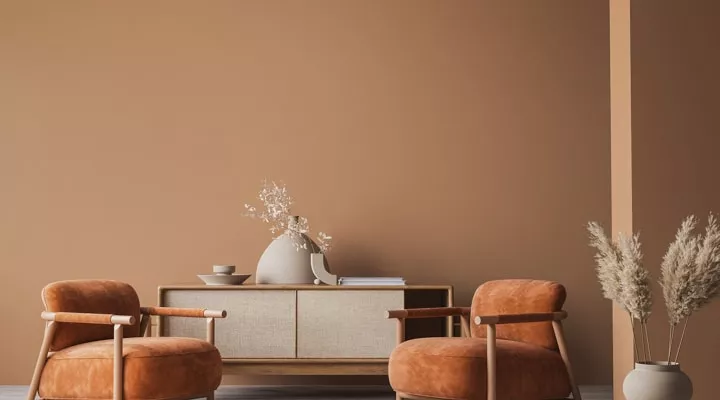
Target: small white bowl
216, 280
224, 269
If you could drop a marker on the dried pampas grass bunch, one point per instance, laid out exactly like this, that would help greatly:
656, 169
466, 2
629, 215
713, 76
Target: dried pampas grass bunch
690, 276
624, 280
690, 273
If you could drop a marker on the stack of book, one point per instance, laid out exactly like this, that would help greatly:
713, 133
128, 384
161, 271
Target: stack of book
371, 281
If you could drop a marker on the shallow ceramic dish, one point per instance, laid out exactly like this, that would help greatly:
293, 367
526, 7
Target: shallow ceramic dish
216, 280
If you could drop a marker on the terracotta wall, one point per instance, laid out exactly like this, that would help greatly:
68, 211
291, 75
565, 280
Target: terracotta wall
676, 137
448, 142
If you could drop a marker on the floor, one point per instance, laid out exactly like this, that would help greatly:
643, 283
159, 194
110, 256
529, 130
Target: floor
308, 392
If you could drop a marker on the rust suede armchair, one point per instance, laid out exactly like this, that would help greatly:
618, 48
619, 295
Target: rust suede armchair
94, 348
514, 350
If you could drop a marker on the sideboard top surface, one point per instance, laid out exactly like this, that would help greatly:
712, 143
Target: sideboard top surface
303, 287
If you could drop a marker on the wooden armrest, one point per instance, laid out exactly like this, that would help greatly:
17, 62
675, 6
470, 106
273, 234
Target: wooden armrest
428, 312
88, 318
519, 318
183, 312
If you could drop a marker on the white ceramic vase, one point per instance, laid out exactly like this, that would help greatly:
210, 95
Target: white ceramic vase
283, 262
657, 381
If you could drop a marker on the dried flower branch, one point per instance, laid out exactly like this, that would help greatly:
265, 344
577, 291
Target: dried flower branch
675, 271
634, 279
277, 202
690, 273
608, 260
707, 266
323, 241
635, 286
297, 229
623, 278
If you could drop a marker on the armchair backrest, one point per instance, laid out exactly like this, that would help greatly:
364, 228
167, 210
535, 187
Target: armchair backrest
519, 296
90, 296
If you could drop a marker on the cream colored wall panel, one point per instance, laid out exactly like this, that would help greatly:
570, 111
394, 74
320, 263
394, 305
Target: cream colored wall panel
346, 324
259, 324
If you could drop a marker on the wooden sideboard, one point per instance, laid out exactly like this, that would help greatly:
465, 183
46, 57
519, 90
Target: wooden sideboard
305, 329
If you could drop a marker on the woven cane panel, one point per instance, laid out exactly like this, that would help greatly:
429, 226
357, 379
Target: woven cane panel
259, 323
346, 324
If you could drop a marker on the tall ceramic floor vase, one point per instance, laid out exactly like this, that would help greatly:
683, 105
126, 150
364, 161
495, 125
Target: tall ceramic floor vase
657, 381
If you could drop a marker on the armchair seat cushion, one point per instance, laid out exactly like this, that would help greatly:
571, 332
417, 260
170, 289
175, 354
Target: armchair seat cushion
154, 368
456, 368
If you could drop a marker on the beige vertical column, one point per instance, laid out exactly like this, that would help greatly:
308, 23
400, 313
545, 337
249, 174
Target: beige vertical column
621, 171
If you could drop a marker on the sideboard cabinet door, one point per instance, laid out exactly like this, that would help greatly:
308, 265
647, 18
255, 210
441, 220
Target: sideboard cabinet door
346, 323
259, 324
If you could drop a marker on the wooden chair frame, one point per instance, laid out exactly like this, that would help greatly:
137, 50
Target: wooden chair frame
490, 321
118, 321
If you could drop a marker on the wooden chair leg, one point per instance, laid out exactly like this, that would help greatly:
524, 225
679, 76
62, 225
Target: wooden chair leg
144, 322
399, 338
400, 332
211, 331
118, 362
42, 358
491, 363
465, 325
149, 329
211, 396
562, 346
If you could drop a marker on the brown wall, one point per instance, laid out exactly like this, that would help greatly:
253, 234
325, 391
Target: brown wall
676, 137
448, 142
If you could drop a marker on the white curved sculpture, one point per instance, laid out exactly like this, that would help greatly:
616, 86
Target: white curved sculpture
318, 266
